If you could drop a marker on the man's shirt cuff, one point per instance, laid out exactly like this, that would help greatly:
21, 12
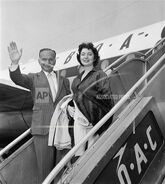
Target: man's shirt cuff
13, 67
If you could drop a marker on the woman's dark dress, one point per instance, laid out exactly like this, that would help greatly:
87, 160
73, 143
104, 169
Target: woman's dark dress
93, 96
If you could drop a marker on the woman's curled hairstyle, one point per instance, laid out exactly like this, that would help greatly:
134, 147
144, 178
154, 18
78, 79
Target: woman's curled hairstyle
88, 46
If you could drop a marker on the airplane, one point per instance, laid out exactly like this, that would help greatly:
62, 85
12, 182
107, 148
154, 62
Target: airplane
16, 103
112, 48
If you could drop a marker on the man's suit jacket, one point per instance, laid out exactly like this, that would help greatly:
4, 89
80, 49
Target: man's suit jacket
44, 106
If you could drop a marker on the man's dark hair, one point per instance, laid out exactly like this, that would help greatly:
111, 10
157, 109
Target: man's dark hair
88, 45
47, 49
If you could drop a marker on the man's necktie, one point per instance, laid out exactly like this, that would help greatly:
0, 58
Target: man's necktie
52, 85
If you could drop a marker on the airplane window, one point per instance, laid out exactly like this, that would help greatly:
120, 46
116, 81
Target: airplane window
63, 73
104, 64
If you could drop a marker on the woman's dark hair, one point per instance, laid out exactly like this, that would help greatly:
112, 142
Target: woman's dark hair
94, 50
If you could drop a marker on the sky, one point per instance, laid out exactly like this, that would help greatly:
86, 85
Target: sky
63, 25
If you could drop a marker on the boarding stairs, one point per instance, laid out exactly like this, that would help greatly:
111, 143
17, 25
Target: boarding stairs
132, 150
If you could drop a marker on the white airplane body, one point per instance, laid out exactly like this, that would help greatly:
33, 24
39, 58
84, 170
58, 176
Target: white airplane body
136, 40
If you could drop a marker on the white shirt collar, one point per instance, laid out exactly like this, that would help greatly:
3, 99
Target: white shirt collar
54, 77
47, 73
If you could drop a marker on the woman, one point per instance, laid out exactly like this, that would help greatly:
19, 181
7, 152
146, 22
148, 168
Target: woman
90, 101
91, 90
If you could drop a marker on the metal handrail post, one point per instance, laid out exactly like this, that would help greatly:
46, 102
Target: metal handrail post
13, 143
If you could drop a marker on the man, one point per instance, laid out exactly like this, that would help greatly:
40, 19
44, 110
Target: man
46, 92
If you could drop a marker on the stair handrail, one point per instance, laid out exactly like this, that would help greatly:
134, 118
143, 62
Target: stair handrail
72, 152
121, 58
123, 64
155, 46
14, 142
